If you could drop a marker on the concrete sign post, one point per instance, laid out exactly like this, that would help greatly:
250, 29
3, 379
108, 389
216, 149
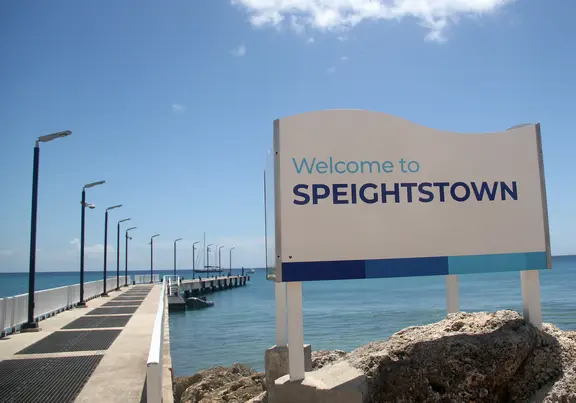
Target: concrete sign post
281, 318
452, 304
360, 195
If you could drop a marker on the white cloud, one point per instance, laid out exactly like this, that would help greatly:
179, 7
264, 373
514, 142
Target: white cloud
6, 252
331, 70
297, 24
239, 51
342, 38
435, 15
178, 108
344, 58
310, 40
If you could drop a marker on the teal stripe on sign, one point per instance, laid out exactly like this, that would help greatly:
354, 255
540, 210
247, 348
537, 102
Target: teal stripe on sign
496, 263
537, 260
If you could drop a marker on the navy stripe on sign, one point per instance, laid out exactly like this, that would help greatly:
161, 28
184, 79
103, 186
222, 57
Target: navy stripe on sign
408, 267
318, 271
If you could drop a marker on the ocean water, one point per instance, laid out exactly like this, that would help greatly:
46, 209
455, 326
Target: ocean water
17, 283
337, 314
347, 314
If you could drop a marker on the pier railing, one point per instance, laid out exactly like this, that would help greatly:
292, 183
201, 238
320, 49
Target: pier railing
14, 310
174, 283
154, 364
145, 278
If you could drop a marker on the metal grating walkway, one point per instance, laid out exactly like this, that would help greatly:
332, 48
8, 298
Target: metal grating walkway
140, 299
77, 340
123, 303
45, 380
91, 322
112, 310
58, 367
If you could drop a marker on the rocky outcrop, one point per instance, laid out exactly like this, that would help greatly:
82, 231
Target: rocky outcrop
467, 357
321, 358
480, 357
235, 384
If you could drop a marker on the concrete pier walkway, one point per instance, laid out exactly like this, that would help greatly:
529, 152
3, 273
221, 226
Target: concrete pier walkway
93, 354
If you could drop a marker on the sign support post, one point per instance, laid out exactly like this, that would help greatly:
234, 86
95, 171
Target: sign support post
452, 300
280, 296
531, 307
295, 332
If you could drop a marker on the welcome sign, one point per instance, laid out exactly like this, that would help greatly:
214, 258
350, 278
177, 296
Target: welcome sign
361, 194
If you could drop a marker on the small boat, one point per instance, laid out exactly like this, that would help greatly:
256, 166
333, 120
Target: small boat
198, 303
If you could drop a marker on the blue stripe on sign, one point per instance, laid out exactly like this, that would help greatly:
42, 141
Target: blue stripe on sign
315, 271
408, 267
412, 267
496, 263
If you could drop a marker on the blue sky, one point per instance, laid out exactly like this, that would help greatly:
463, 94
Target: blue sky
172, 104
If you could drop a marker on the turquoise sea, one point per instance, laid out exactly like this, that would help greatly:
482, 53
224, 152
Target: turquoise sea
337, 315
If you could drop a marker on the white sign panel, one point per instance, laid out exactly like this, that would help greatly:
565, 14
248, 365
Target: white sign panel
362, 194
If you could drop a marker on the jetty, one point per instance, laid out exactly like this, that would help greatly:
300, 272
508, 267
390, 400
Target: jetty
180, 290
116, 349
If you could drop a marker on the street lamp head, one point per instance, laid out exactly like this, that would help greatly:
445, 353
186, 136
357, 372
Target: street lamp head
131, 228
220, 247
126, 219
154, 236
179, 239
50, 137
91, 206
195, 242
91, 185
113, 207
233, 248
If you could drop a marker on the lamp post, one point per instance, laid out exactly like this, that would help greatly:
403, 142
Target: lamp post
31, 324
220, 260
104, 293
126, 257
216, 268
194, 259
152, 257
82, 303
208, 250
231, 249
118, 253
176, 240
